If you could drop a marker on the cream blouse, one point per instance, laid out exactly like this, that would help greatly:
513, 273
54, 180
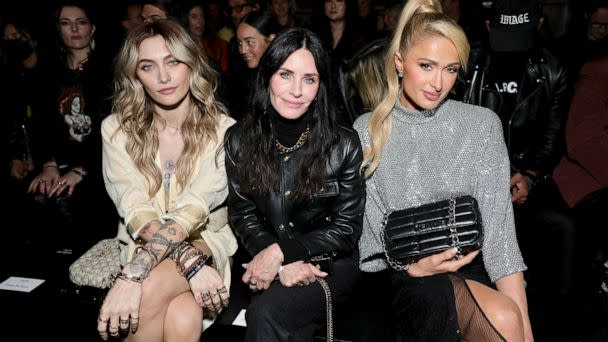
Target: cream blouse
199, 208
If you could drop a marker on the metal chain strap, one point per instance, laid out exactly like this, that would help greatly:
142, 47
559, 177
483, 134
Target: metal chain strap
452, 226
329, 308
396, 265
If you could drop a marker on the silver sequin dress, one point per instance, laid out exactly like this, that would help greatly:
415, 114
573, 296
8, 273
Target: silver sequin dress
454, 150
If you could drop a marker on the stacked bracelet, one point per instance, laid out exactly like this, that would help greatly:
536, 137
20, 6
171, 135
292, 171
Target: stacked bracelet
197, 265
146, 249
129, 277
79, 172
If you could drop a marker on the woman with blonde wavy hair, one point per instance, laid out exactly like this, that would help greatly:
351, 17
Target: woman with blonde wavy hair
163, 166
419, 148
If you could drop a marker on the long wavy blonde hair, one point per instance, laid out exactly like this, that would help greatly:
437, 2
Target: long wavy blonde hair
135, 109
419, 19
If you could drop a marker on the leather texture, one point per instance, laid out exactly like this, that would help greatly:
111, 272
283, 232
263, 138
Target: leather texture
98, 266
534, 132
413, 233
329, 222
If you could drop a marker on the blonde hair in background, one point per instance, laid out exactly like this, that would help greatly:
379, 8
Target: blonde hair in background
419, 19
135, 109
366, 72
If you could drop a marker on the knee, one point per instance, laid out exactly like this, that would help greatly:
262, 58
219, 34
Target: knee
506, 317
152, 303
185, 323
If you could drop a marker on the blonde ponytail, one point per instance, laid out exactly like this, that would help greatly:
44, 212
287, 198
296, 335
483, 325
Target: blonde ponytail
418, 18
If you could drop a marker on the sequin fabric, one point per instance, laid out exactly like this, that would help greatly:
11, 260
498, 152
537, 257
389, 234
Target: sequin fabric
455, 150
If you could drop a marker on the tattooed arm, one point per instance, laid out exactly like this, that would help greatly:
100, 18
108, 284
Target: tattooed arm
161, 241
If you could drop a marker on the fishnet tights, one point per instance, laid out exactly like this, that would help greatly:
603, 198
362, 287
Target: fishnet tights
473, 323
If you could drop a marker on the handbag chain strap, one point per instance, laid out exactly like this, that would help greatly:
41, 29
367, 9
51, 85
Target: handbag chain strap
452, 226
329, 308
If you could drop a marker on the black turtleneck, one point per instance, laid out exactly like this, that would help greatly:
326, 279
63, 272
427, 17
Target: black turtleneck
287, 131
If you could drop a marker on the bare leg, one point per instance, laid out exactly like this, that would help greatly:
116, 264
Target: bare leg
502, 312
184, 319
162, 286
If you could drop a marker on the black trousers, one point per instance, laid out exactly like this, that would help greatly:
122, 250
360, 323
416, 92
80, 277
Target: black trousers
546, 233
295, 313
591, 309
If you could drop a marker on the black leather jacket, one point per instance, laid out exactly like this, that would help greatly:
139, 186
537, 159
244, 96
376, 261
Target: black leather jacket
329, 223
534, 132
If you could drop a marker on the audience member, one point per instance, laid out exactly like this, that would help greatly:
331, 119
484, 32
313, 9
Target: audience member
587, 37
365, 85
132, 16
163, 165
68, 188
284, 11
253, 35
582, 177
194, 19
528, 88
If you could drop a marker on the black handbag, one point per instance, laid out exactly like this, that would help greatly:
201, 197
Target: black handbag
413, 233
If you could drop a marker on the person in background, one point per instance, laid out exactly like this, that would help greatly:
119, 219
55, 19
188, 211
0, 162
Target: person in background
520, 80
389, 20
284, 11
236, 10
132, 16
163, 165
367, 19
21, 95
194, 18
296, 195
68, 188
22, 78
253, 35
582, 178
155, 10
587, 37
365, 85
421, 148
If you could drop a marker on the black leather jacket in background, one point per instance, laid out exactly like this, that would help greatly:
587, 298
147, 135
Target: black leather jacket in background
330, 222
534, 132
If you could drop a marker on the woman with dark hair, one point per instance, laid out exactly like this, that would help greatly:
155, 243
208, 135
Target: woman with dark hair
336, 25
296, 196
66, 136
253, 35
194, 19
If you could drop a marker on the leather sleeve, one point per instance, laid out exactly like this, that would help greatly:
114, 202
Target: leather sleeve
243, 214
547, 151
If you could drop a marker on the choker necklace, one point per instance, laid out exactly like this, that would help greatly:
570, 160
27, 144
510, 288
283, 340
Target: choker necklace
301, 141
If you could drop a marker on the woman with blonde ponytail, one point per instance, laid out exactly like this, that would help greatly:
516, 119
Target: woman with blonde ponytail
419, 148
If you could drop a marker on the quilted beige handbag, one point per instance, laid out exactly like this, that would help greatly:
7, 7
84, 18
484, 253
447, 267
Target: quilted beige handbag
99, 266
